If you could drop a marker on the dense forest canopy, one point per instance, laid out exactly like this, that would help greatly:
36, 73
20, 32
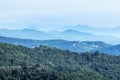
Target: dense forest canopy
48, 63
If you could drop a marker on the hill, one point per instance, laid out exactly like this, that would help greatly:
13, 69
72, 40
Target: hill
75, 46
113, 50
21, 62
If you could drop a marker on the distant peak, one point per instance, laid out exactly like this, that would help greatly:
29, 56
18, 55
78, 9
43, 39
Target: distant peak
118, 27
81, 25
28, 29
71, 30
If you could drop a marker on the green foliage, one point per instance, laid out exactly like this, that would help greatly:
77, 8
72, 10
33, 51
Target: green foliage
46, 63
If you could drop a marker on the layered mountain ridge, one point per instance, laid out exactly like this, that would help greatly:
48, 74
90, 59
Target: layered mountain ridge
75, 33
75, 46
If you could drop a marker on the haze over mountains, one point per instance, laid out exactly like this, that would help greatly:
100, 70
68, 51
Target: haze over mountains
74, 46
71, 33
59, 40
79, 38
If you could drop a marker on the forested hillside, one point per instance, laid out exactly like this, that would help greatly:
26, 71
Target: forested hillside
74, 46
46, 63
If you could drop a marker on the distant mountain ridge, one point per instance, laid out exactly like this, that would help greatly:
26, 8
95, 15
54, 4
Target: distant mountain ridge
72, 34
75, 46
111, 50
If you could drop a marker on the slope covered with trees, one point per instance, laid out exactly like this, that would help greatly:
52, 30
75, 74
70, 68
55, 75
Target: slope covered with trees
75, 46
46, 63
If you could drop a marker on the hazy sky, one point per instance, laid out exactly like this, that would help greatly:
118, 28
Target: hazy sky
21, 13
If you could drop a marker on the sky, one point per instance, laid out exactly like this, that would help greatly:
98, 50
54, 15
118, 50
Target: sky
52, 14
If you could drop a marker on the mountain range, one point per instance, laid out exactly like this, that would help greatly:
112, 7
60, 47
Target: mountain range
73, 33
75, 46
